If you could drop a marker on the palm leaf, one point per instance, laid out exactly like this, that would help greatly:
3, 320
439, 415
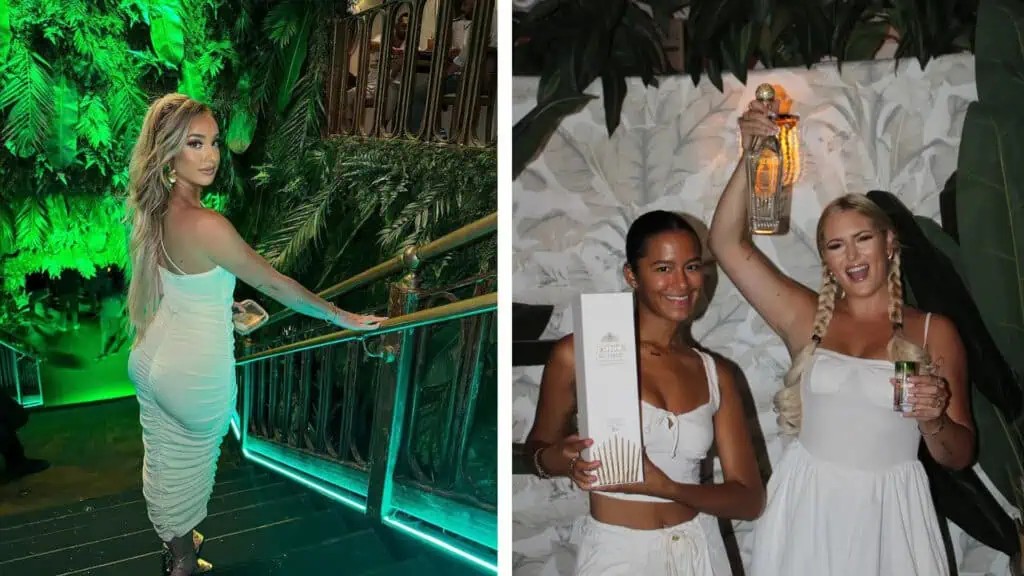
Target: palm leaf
127, 105
300, 228
28, 91
33, 224
62, 145
94, 122
294, 57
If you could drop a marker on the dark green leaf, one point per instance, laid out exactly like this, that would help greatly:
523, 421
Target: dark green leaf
295, 56
990, 218
715, 72
999, 53
937, 288
865, 40
531, 133
241, 128
167, 34
613, 85
847, 17
62, 145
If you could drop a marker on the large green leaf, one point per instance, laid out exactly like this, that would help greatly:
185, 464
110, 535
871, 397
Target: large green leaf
999, 53
241, 128
167, 34
936, 287
192, 83
5, 30
990, 218
62, 145
294, 58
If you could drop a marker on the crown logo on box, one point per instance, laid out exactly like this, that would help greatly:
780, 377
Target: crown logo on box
610, 350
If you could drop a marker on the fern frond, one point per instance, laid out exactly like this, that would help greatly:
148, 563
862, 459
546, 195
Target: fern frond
94, 122
301, 228
28, 91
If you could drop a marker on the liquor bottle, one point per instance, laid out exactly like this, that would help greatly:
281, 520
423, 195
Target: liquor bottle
768, 207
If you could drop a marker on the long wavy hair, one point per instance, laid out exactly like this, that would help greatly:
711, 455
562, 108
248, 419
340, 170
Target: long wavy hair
787, 400
164, 131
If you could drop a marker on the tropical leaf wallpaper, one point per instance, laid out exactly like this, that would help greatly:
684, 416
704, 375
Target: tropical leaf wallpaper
878, 125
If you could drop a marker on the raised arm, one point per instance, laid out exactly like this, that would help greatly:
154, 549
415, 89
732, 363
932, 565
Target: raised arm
786, 305
224, 247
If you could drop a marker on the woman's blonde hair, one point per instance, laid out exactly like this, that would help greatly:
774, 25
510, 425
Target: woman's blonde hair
787, 400
164, 131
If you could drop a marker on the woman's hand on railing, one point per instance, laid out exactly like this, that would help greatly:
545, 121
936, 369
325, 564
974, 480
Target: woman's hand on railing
350, 321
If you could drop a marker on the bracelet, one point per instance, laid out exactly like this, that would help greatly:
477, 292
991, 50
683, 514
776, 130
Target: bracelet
536, 463
942, 424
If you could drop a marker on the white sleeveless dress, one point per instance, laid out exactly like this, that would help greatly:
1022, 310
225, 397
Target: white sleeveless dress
849, 496
184, 375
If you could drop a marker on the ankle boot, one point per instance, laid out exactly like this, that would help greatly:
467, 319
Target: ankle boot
180, 558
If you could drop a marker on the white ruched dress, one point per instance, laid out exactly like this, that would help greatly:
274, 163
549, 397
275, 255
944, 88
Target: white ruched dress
184, 375
849, 496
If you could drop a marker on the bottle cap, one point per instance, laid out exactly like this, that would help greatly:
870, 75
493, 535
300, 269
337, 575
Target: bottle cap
765, 93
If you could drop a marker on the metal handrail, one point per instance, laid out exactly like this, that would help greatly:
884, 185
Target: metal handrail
399, 262
460, 309
17, 350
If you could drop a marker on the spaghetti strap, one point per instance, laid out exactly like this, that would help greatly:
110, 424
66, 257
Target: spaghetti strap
712, 376
168, 257
927, 320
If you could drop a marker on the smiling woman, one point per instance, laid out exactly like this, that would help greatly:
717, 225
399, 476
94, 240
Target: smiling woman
850, 479
185, 259
688, 402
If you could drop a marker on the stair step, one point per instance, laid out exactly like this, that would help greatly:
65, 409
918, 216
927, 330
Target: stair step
129, 518
268, 549
238, 528
230, 480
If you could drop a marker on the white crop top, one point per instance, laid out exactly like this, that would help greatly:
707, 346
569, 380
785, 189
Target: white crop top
678, 443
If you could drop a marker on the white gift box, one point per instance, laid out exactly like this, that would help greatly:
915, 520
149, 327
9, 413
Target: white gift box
608, 386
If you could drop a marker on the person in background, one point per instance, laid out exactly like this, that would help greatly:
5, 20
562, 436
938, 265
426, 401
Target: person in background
456, 61
13, 416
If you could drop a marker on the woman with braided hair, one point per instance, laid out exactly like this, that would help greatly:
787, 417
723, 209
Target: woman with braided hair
848, 496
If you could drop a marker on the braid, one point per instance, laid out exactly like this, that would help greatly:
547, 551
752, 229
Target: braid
899, 347
787, 400
896, 293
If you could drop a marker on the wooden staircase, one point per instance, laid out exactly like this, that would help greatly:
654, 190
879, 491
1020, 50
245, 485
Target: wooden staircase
259, 524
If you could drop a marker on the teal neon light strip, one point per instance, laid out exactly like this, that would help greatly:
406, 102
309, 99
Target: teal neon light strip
312, 484
473, 524
441, 544
348, 478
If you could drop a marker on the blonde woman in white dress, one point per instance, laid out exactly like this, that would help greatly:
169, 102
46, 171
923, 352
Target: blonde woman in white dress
185, 259
848, 497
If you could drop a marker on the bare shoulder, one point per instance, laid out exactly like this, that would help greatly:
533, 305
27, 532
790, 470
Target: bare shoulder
205, 221
940, 328
563, 352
